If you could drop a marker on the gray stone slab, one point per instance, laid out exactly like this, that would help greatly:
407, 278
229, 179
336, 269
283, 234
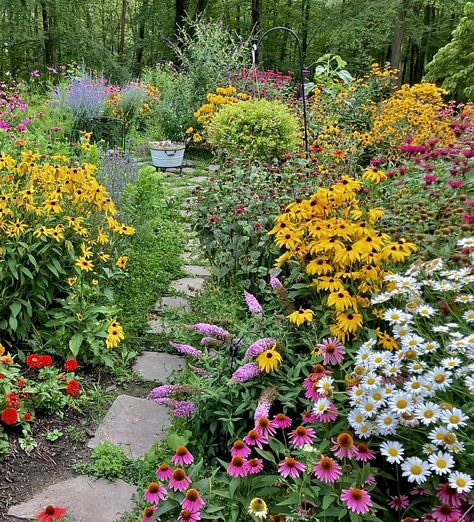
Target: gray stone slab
197, 270
213, 168
188, 163
88, 499
190, 286
175, 302
153, 366
158, 326
189, 170
199, 179
189, 256
185, 213
133, 423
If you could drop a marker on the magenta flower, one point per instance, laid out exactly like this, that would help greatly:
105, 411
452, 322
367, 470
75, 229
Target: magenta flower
332, 351
193, 501
357, 500
275, 283
148, 513
182, 456
364, 453
455, 183
369, 481
429, 179
254, 438
211, 330
265, 426
155, 493
327, 470
309, 417
246, 372
301, 436
399, 502
186, 349
313, 393
343, 446
179, 481
237, 467
35, 74
330, 415
164, 472
448, 495
259, 346
253, 305
254, 466
240, 449
446, 513
291, 466
189, 516
281, 421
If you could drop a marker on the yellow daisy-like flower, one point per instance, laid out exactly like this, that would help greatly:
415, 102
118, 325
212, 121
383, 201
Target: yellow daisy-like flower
104, 256
2, 349
341, 300
300, 316
72, 281
349, 322
122, 261
6, 359
269, 360
115, 335
258, 508
84, 264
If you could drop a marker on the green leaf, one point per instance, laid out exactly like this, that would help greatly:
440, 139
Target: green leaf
15, 308
235, 483
12, 321
75, 343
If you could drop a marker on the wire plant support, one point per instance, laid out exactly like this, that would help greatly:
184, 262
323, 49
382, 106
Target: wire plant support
255, 47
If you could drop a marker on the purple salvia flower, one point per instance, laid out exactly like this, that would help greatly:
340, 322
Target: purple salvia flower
275, 283
188, 350
246, 372
183, 408
211, 330
252, 303
259, 346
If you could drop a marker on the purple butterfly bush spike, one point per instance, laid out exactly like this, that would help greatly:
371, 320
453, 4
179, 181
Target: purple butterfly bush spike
253, 305
188, 350
183, 408
211, 330
246, 372
259, 346
275, 283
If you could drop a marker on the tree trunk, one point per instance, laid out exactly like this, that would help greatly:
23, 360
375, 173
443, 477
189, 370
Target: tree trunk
397, 40
200, 8
421, 55
141, 36
123, 21
257, 26
48, 51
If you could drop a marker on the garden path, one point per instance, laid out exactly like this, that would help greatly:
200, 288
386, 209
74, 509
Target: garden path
134, 423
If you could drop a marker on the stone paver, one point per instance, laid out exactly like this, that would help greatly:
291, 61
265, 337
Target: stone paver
175, 302
189, 170
190, 286
158, 326
88, 499
213, 168
188, 163
197, 270
199, 179
185, 213
153, 366
189, 256
133, 423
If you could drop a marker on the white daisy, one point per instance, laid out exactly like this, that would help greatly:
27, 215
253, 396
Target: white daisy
386, 423
400, 402
425, 311
441, 329
395, 316
321, 406
324, 385
378, 396
464, 298
371, 381
415, 385
430, 346
454, 418
357, 393
356, 418
466, 242
469, 380
440, 377
416, 470
416, 367
441, 463
451, 362
393, 451
427, 413
437, 435
401, 331
461, 482
368, 407
414, 342
469, 316
365, 430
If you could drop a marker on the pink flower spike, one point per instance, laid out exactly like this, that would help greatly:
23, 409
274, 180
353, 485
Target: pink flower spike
332, 351
254, 466
164, 472
327, 470
155, 493
237, 467
357, 500
193, 501
253, 305
281, 421
182, 456
240, 449
179, 480
254, 438
291, 466
301, 436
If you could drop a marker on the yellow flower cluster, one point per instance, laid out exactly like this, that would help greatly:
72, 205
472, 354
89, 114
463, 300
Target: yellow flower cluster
411, 111
115, 335
335, 242
215, 101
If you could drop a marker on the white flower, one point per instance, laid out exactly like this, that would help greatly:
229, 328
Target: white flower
440, 377
378, 396
415, 385
371, 381
441, 463
321, 406
467, 242
355, 418
454, 418
356, 394
393, 451
438, 435
441, 329
400, 402
368, 407
325, 384
380, 358
469, 379
401, 331
364, 355
364, 430
430, 346
416, 367
413, 342
416, 470
425, 311
386, 423
464, 298
395, 316
427, 413
469, 316
461, 482
451, 362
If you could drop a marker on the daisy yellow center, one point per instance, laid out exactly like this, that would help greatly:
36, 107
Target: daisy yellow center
441, 463
416, 469
402, 403
359, 418
371, 380
377, 397
454, 419
439, 378
460, 482
393, 452
429, 414
387, 421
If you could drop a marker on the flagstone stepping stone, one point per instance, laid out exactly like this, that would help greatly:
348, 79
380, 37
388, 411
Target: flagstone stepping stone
213, 168
185, 213
197, 270
189, 256
158, 326
133, 423
153, 366
199, 179
88, 499
175, 302
190, 286
188, 163
188, 170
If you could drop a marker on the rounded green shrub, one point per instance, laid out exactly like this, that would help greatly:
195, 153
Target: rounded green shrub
255, 129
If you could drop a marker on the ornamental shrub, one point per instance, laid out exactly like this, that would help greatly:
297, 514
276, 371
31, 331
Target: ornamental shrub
255, 130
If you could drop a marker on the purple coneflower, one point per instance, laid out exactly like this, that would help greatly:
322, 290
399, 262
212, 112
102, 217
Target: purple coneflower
357, 500
246, 372
301, 436
193, 500
148, 513
164, 472
308, 417
188, 350
281, 421
179, 481
448, 495
332, 351
154, 493
253, 305
265, 426
254, 438
254, 466
330, 415
446, 513
240, 449
364, 453
399, 502
327, 470
182, 456
237, 467
291, 466
343, 446
189, 516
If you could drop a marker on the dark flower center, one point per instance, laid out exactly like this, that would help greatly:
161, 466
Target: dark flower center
179, 474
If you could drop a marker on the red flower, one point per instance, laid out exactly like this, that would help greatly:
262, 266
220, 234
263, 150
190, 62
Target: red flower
12, 399
2, 376
46, 360
27, 416
34, 361
9, 416
71, 365
51, 513
73, 388
21, 382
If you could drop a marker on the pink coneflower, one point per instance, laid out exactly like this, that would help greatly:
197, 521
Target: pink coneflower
301, 436
357, 500
179, 480
308, 417
164, 472
448, 495
313, 393
254, 466
155, 493
148, 513
189, 516
343, 446
330, 415
418, 490
237, 467
265, 426
327, 470
399, 502
254, 438
282, 421
369, 481
446, 513
455, 183
332, 351
319, 371
182, 456
193, 500
240, 449
291, 466
364, 453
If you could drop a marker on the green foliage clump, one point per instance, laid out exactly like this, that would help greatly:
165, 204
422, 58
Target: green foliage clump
108, 461
255, 130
